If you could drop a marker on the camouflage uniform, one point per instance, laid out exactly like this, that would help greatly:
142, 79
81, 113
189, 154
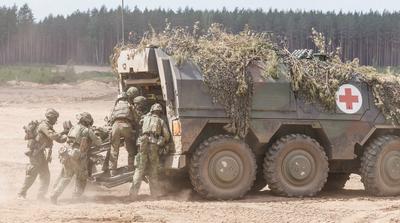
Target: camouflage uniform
73, 156
38, 161
139, 107
154, 135
123, 119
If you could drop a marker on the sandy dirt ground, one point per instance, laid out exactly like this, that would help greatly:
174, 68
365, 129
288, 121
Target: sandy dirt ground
21, 103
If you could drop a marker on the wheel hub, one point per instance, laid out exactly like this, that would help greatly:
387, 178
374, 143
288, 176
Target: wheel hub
225, 168
298, 166
392, 165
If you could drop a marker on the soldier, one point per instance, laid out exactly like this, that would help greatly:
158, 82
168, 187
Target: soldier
123, 122
139, 109
38, 161
154, 135
74, 156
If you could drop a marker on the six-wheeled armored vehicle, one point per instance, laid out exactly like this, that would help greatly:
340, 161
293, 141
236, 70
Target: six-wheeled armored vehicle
297, 148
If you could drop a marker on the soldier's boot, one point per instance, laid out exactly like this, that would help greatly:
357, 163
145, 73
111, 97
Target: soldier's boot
62, 184
30, 177
154, 184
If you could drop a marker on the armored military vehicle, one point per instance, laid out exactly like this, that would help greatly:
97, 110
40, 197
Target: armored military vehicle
295, 147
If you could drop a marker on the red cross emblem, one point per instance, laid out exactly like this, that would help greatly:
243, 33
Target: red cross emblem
348, 98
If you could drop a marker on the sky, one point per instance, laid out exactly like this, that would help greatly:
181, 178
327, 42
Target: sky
42, 8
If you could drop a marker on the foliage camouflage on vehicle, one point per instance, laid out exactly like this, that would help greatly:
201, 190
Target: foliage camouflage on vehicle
318, 80
223, 58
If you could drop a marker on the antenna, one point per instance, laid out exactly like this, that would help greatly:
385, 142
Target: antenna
123, 28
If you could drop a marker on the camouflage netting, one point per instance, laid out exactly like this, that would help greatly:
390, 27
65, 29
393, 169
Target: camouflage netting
224, 57
318, 81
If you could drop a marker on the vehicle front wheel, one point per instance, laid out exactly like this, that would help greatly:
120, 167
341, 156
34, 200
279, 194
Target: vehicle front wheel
223, 168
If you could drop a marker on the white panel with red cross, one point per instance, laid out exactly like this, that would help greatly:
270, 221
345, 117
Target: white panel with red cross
348, 99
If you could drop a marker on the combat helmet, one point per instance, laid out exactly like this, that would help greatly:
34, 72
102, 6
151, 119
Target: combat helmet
85, 119
139, 100
156, 107
132, 92
51, 113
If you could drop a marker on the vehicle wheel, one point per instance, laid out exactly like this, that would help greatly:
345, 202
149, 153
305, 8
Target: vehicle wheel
380, 166
222, 168
296, 166
336, 181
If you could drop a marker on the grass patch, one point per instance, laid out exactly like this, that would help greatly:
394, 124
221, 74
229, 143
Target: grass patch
47, 74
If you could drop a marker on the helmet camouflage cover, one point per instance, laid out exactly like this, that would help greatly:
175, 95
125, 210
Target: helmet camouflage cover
51, 113
156, 107
132, 92
85, 118
139, 100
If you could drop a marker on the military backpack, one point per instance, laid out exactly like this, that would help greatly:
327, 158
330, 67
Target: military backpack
31, 130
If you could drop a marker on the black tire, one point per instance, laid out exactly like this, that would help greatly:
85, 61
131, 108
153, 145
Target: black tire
296, 166
336, 181
380, 166
223, 153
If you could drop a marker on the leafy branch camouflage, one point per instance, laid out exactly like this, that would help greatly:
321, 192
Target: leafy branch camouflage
319, 81
223, 58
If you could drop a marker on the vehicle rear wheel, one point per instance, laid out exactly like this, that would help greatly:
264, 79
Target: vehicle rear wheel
222, 168
336, 181
296, 166
380, 166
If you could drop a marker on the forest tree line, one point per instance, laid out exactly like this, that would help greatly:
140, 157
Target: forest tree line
88, 37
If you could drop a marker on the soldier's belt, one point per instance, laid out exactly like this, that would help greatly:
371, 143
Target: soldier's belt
151, 134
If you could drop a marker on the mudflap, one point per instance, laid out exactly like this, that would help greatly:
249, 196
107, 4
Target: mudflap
104, 179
